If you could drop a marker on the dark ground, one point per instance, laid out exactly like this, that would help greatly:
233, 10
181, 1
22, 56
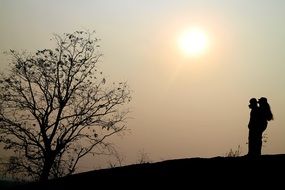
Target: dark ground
268, 171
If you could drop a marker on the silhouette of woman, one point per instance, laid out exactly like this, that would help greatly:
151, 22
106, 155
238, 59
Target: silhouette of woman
265, 115
253, 126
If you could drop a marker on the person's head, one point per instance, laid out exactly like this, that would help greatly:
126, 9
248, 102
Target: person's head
263, 104
252, 103
262, 100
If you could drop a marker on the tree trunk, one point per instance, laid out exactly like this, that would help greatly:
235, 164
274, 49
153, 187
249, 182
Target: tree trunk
46, 169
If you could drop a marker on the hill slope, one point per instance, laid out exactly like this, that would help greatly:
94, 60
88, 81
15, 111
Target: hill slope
217, 171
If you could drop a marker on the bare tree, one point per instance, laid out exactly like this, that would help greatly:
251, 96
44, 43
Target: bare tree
56, 108
118, 160
143, 157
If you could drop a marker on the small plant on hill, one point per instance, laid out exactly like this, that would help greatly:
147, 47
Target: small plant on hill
234, 153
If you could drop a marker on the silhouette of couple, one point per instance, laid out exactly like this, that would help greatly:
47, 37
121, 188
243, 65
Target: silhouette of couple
260, 114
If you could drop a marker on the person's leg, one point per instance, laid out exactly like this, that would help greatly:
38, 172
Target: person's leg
255, 143
250, 142
259, 143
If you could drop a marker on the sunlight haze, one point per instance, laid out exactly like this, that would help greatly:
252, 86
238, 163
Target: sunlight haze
193, 42
182, 106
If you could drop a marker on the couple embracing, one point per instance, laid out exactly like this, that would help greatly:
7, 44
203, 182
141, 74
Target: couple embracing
260, 114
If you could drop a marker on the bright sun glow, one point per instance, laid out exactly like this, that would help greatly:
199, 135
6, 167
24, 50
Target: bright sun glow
193, 42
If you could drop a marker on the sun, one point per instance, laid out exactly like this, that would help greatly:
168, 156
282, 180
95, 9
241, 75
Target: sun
193, 42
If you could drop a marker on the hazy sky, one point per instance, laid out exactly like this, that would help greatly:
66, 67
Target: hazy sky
182, 106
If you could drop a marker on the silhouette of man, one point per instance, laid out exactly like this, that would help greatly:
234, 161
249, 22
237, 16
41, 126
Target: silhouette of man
253, 125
